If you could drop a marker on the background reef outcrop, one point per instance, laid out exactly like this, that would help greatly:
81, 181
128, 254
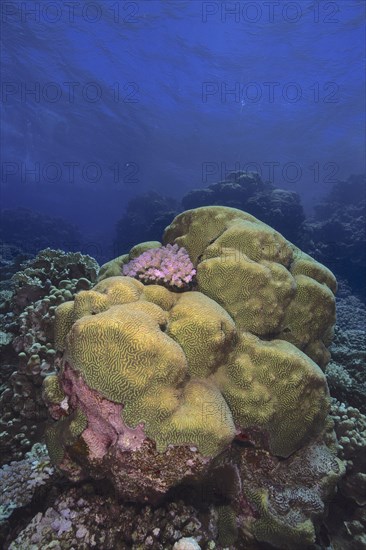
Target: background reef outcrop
31, 231
336, 234
145, 219
279, 208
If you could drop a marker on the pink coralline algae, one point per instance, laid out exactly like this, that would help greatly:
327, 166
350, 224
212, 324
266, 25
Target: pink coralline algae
106, 428
169, 265
107, 448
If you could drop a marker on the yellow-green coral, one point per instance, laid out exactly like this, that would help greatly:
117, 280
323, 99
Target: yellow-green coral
64, 318
236, 347
227, 527
275, 386
196, 229
304, 264
240, 353
203, 419
121, 292
113, 268
255, 294
52, 390
254, 240
141, 248
268, 286
269, 527
309, 314
125, 354
196, 318
160, 296
64, 433
122, 352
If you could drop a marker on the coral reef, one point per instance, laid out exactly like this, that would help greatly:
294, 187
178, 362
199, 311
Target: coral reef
289, 495
28, 355
350, 427
145, 219
346, 372
11, 258
83, 519
19, 479
246, 191
346, 522
187, 417
148, 375
336, 235
48, 268
31, 231
160, 390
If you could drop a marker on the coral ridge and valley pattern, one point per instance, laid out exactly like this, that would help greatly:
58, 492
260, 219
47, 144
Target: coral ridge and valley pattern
170, 380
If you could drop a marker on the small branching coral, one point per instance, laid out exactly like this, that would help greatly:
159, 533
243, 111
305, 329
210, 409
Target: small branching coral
169, 265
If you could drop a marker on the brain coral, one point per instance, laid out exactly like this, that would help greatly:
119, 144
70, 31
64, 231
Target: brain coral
192, 370
268, 286
121, 344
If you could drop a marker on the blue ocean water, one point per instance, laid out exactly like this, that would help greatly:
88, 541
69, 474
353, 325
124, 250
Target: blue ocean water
104, 100
116, 116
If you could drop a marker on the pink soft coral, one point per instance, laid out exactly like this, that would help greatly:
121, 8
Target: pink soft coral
168, 265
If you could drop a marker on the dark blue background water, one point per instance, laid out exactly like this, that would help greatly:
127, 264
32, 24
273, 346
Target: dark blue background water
168, 95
